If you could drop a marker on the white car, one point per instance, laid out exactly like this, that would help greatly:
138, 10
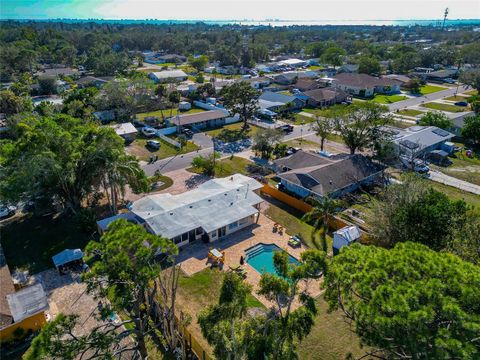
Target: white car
7, 210
153, 144
149, 132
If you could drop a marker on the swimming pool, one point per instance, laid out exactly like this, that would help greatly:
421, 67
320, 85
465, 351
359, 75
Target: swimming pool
260, 257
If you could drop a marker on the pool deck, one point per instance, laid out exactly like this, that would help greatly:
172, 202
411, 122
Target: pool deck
193, 258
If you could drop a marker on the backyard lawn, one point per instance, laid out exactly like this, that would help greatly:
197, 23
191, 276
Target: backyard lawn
228, 166
291, 219
445, 107
139, 149
30, 242
303, 144
402, 124
388, 99
471, 92
428, 89
331, 337
196, 292
300, 119
167, 113
410, 112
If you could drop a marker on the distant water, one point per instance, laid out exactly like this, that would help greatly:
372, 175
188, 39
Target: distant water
277, 22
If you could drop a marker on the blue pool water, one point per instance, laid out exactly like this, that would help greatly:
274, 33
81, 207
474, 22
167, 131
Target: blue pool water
260, 257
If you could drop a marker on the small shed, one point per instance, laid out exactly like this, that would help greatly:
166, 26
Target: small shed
125, 130
439, 157
68, 257
344, 237
184, 105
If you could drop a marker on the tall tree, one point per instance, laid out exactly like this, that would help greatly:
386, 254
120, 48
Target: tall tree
368, 65
322, 127
471, 128
321, 214
125, 269
413, 211
359, 124
408, 302
264, 141
241, 98
11, 104
60, 158
221, 323
436, 118
333, 55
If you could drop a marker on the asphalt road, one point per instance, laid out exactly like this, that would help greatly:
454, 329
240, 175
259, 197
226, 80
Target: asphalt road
424, 99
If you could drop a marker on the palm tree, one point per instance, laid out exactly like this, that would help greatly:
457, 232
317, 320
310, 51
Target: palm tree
119, 172
323, 209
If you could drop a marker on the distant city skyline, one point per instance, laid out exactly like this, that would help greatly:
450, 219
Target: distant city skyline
256, 10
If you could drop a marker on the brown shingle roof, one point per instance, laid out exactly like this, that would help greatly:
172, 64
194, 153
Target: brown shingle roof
323, 94
300, 160
333, 175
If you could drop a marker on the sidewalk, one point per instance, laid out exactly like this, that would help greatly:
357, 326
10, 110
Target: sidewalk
454, 182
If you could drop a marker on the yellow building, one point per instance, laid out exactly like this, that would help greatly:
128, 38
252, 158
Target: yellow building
23, 309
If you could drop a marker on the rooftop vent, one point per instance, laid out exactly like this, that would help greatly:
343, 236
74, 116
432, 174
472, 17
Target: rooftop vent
171, 213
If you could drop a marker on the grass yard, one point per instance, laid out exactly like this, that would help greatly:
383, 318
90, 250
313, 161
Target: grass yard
457, 194
336, 138
445, 107
291, 219
196, 292
429, 89
402, 124
471, 92
303, 144
456, 98
388, 99
167, 113
165, 180
29, 241
463, 167
228, 166
233, 127
139, 149
317, 112
410, 112
331, 337
300, 119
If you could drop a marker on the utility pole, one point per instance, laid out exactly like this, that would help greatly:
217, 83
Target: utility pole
445, 14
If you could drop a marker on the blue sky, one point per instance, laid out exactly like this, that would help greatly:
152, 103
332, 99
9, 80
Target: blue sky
240, 9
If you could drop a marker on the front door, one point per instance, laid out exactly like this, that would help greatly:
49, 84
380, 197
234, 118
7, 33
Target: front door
191, 236
222, 231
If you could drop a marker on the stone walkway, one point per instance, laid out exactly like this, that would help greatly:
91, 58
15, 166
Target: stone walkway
193, 258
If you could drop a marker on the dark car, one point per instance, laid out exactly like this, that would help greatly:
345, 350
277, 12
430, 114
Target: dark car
138, 124
187, 132
461, 103
286, 128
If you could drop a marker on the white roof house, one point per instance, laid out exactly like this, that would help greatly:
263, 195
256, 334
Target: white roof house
419, 139
216, 208
344, 237
124, 129
168, 75
293, 62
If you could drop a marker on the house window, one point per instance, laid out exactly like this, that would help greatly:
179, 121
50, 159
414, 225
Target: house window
243, 221
232, 225
185, 236
177, 239
198, 231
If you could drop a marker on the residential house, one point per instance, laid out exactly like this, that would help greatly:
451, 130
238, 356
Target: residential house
286, 78
275, 101
309, 174
305, 85
154, 58
168, 76
210, 212
348, 68
23, 309
345, 237
418, 141
445, 75
258, 82
325, 97
404, 80
200, 120
294, 63
104, 116
125, 130
58, 71
98, 82
364, 85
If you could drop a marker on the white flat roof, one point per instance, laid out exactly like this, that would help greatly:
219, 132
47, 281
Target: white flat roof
27, 302
124, 128
169, 74
214, 204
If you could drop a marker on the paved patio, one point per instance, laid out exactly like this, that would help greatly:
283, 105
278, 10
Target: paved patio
193, 258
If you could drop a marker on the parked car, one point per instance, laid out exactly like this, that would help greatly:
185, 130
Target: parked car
286, 128
7, 210
461, 103
187, 132
148, 131
153, 144
138, 124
